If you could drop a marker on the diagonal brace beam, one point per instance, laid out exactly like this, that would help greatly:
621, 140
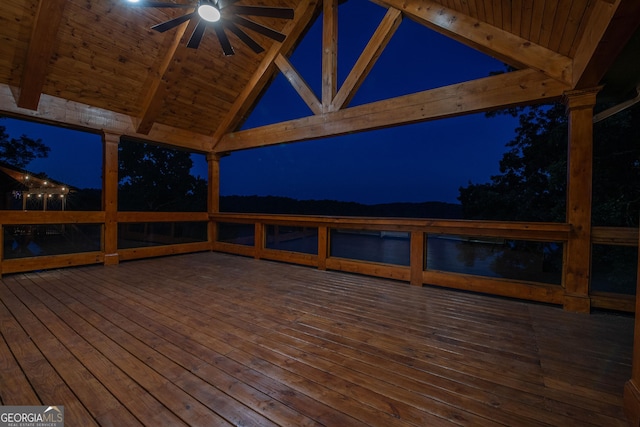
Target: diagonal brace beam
367, 59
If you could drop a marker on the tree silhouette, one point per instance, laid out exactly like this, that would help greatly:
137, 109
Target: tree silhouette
19, 152
531, 185
155, 178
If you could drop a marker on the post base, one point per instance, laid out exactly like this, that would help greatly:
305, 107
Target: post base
632, 403
577, 303
111, 259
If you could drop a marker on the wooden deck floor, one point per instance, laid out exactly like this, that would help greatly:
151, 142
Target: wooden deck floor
211, 339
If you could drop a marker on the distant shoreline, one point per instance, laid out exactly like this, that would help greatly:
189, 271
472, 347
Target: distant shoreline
290, 206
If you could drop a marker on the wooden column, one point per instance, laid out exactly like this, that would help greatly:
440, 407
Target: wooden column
1, 248
259, 239
417, 257
323, 246
632, 387
110, 197
577, 264
329, 53
213, 197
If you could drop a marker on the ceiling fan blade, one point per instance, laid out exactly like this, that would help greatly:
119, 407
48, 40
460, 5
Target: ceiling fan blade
225, 3
244, 37
258, 28
223, 39
165, 26
160, 4
196, 36
273, 12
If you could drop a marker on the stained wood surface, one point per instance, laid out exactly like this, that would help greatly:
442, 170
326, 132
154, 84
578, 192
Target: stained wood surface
555, 25
213, 339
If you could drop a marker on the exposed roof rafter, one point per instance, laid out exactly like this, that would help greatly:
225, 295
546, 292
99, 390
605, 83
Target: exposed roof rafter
41, 45
493, 41
82, 116
156, 85
303, 13
610, 28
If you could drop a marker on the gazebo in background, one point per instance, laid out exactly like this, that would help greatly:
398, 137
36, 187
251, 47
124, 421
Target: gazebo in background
30, 191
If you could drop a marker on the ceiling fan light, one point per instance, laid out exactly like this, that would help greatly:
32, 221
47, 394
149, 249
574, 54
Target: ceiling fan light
209, 13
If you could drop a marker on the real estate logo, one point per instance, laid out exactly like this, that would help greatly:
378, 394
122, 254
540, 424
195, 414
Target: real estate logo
31, 416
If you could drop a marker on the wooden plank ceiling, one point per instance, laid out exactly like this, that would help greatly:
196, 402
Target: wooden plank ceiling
97, 64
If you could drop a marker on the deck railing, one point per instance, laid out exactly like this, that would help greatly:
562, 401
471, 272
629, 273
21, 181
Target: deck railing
488, 256
419, 232
129, 246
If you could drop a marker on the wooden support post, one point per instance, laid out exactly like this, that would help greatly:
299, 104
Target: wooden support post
329, 53
577, 266
632, 387
259, 239
323, 246
1, 248
110, 197
417, 257
213, 197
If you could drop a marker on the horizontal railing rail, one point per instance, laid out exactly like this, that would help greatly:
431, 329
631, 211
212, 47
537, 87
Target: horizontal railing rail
124, 216
51, 217
618, 236
536, 231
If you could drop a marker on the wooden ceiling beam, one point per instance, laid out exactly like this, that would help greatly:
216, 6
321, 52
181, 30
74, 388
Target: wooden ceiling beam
66, 113
41, 45
329, 52
367, 59
156, 84
610, 27
299, 84
500, 91
304, 13
493, 41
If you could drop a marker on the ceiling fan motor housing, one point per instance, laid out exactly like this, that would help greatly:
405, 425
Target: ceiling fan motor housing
209, 10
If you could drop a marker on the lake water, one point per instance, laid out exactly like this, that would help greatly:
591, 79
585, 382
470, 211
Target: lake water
513, 260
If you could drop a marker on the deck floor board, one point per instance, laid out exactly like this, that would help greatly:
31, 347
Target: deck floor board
214, 339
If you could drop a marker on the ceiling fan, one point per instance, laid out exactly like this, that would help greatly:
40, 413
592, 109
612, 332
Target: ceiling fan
210, 13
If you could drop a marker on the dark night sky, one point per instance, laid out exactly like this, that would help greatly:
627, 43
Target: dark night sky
414, 163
